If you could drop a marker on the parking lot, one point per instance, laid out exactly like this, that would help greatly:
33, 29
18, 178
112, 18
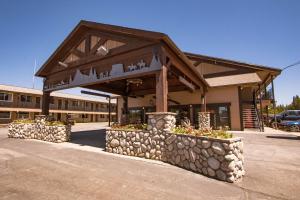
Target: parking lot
80, 169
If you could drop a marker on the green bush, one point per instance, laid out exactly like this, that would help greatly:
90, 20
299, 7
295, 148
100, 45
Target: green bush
23, 121
129, 127
220, 134
55, 123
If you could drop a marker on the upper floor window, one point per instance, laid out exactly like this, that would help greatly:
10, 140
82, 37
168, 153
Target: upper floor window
38, 100
51, 100
25, 98
75, 103
5, 96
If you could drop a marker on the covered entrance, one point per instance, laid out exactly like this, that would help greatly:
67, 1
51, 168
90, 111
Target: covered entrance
127, 62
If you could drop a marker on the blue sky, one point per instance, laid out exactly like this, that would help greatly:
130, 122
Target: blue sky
264, 32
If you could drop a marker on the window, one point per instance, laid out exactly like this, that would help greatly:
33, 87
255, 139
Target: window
23, 115
51, 100
4, 115
75, 103
38, 100
5, 96
293, 113
25, 98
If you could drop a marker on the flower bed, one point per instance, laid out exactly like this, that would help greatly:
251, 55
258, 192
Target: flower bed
212, 153
221, 134
51, 131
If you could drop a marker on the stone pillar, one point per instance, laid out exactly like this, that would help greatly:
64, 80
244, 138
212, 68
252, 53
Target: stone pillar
40, 123
204, 120
161, 121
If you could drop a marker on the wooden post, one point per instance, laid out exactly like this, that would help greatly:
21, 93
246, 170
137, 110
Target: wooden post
241, 108
261, 109
109, 111
274, 102
162, 90
45, 103
203, 103
125, 109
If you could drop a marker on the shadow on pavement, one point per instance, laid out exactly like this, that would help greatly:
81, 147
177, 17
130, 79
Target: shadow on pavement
287, 137
94, 138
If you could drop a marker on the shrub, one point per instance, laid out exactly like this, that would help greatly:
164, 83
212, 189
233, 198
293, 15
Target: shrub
55, 123
129, 127
221, 134
23, 121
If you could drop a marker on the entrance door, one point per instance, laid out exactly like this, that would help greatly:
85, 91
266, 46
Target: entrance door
181, 112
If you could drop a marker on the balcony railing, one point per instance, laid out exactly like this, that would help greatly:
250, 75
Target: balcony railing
6, 104
53, 106
28, 105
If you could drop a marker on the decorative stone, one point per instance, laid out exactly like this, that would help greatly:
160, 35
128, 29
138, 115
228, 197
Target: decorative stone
193, 167
218, 148
136, 144
204, 152
114, 143
170, 147
206, 144
180, 145
221, 175
171, 139
211, 172
193, 143
230, 157
213, 163
192, 155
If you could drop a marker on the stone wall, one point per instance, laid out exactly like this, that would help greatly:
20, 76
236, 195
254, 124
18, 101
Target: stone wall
204, 120
40, 131
217, 158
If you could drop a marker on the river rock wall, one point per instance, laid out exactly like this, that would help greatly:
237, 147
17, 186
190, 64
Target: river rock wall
40, 131
221, 159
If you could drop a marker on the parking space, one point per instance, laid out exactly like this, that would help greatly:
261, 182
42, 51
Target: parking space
31, 169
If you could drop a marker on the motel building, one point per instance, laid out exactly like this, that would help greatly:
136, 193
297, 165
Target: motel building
149, 73
25, 103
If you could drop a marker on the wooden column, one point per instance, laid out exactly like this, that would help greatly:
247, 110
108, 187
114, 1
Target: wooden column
261, 109
241, 108
203, 103
162, 90
109, 111
274, 102
125, 110
45, 103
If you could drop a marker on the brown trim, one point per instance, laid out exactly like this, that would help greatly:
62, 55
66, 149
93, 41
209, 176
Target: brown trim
216, 60
241, 108
228, 73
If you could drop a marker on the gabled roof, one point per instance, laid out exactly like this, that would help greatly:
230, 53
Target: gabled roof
277, 71
143, 34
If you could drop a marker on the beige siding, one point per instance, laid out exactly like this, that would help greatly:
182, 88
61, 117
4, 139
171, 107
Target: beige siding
214, 95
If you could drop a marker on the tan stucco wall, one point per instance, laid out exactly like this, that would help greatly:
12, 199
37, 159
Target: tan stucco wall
227, 94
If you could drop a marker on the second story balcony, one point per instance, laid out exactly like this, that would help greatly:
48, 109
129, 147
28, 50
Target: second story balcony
28, 105
6, 104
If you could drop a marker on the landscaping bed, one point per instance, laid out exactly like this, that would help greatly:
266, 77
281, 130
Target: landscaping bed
213, 153
51, 131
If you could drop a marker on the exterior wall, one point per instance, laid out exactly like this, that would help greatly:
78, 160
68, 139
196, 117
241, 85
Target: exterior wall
217, 158
34, 108
227, 94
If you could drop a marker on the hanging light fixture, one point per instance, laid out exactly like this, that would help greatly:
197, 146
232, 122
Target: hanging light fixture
136, 81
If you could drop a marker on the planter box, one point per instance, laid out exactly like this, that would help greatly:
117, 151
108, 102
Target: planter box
217, 158
40, 131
